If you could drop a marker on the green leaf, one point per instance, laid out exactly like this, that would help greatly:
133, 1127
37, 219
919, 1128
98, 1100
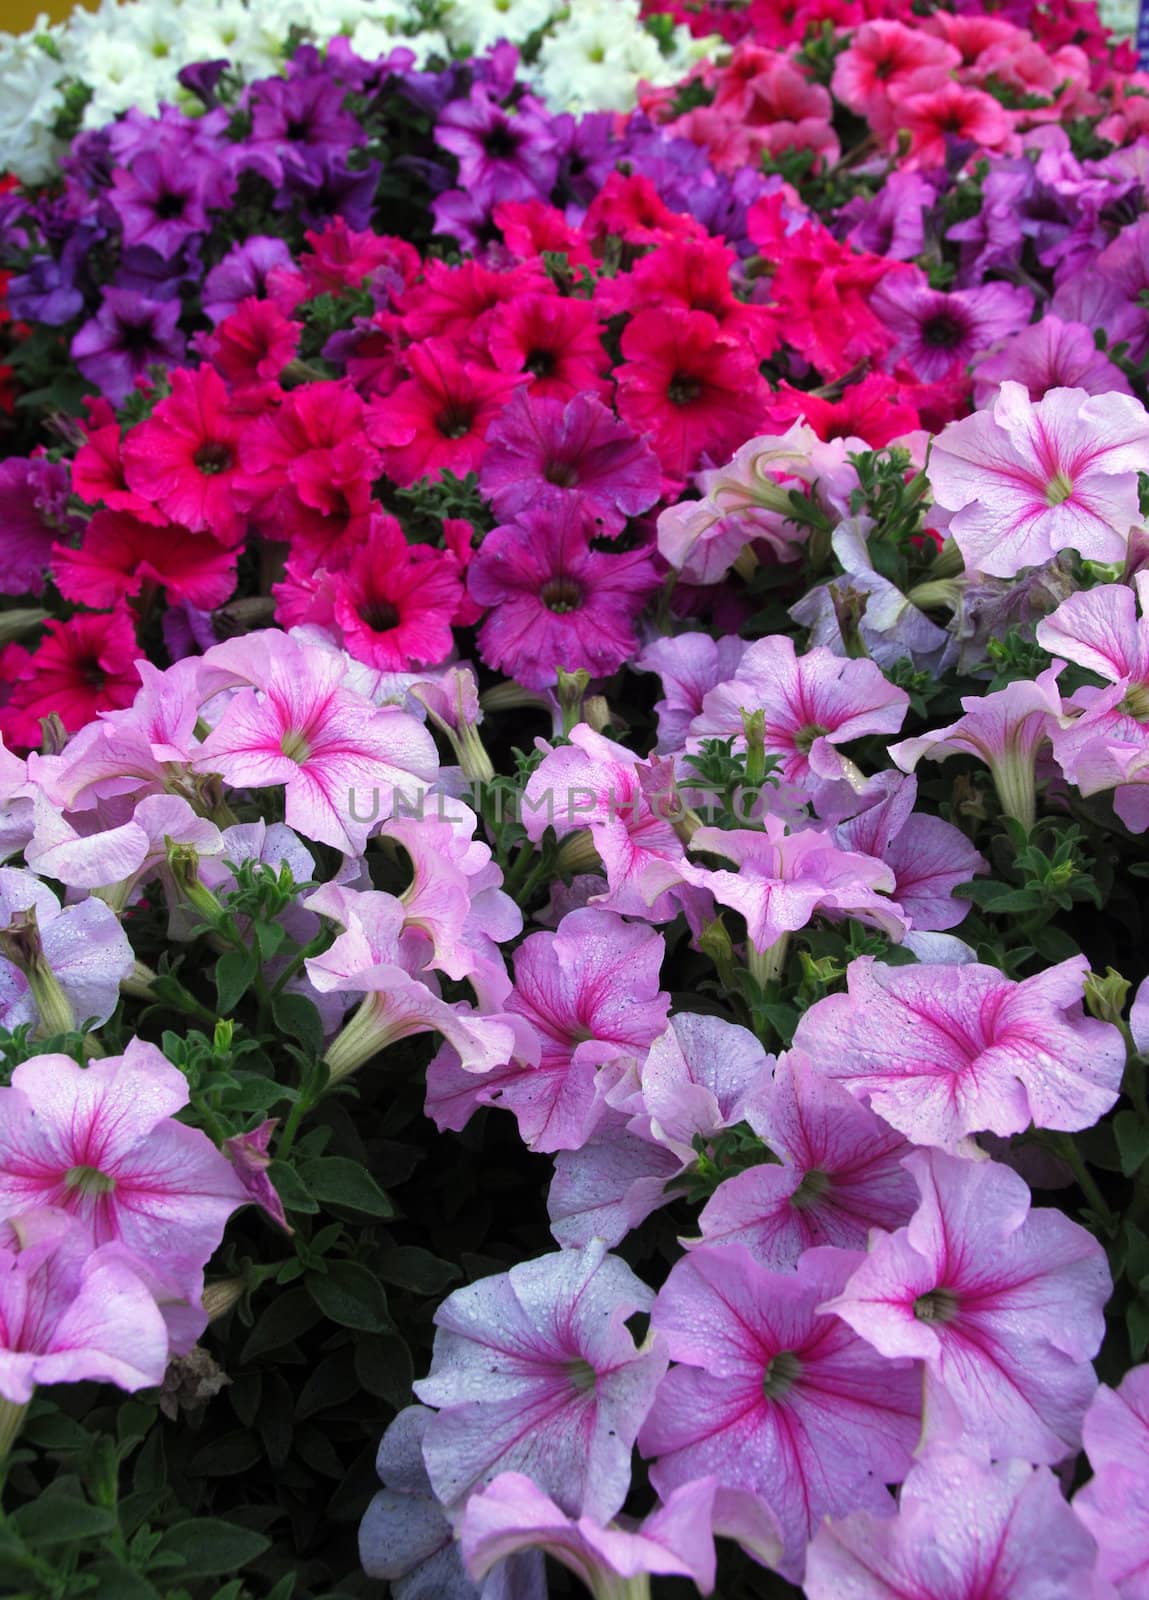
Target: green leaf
61, 1519
268, 938
289, 1315
296, 1015
234, 975
1137, 1322
384, 1368
342, 1182
1132, 1141
409, 1267
234, 1452
291, 1189
212, 1548
351, 1296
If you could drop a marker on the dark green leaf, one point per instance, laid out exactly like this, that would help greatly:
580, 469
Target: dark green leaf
234, 1452
340, 1181
350, 1296
1132, 1141
61, 1519
290, 1314
291, 1188
409, 1267
234, 974
212, 1548
297, 1016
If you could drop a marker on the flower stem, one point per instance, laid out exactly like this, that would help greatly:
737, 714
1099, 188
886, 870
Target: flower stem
1065, 1147
12, 1417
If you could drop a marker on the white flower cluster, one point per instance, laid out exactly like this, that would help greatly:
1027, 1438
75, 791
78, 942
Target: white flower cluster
592, 56
1120, 16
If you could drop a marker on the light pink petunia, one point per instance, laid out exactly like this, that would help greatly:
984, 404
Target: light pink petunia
689, 665
16, 803
840, 1173
587, 996
944, 1051
101, 1143
1002, 1304
782, 880
1006, 730
70, 1314
534, 1371
812, 703
378, 958
1114, 1504
81, 947
677, 1539
339, 758
965, 1530
775, 1395
928, 856
1024, 480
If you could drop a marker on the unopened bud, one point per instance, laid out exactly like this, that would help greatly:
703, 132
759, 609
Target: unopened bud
1105, 997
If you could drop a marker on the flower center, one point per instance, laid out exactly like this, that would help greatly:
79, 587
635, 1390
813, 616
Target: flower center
501, 143
805, 737
937, 1305
1059, 488
89, 1181
942, 332
295, 747
582, 1375
684, 387
562, 596
782, 1373
541, 363
811, 1189
1136, 701
379, 615
92, 673
454, 423
170, 207
213, 457
561, 474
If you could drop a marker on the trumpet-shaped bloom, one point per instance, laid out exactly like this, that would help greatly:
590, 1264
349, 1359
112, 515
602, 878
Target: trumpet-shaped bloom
1100, 630
677, 1538
1024, 480
943, 1051
1005, 730
841, 1173
1002, 1304
812, 703
82, 946
1022, 1542
334, 753
185, 458
774, 1395
1114, 1504
534, 1371
783, 880
69, 1313
101, 1143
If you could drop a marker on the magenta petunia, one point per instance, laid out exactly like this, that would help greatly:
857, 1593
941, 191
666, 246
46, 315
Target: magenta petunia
535, 1371
942, 1052
1003, 1304
965, 1530
577, 453
554, 602
1114, 1504
775, 1395
839, 1173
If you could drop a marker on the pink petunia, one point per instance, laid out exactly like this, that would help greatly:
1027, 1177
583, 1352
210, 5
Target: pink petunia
812, 703
334, 753
437, 420
965, 1530
535, 1371
70, 1314
1114, 1504
1002, 1304
1025, 480
121, 555
185, 458
74, 957
688, 666
774, 1395
942, 1052
840, 1173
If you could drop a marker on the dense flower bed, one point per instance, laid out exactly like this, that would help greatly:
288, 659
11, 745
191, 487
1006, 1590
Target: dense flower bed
574, 697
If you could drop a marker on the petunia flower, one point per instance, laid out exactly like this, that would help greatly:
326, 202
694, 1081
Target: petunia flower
677, 1539
936, 331
1114, 1504
437, 419
775, 1395
535, 1371
502, 154
80, 668
333, 752
1049, 354
121, 555
1005, 729
999, 1530
688, 666
557, 342
185, 457
128, 334
102, 1144
576, 453
812, 703
942, 1052
59, 967
1025, 480
554, 602
248, 1154
1002, 1304
838, 1174
70, 1314
34, 494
